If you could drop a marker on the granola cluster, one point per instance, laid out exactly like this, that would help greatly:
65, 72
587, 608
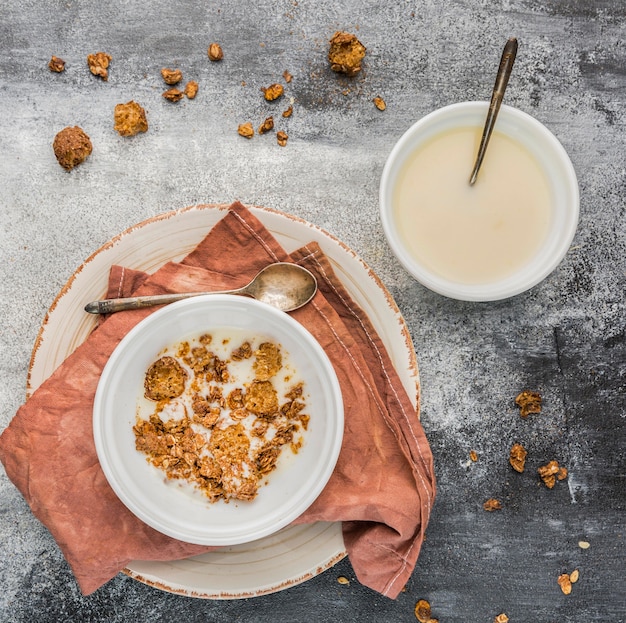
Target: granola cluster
98, 64
129, 119
221, 422
71, 147
345, 53
565, 581
528, 402
423, 612
551, 472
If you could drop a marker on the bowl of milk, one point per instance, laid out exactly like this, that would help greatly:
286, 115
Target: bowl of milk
492, 240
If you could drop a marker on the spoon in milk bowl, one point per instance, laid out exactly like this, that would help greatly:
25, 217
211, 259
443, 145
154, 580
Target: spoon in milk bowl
502, 80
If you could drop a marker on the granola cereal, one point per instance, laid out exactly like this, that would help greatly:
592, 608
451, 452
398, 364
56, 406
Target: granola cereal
71, 147
191, 89
423, 612
215, 52
288, 112
517, 457
345, 53
56, 64
273, 92
99, 64
501, 618
130, 119
551, 472
282, 138
164, 379
287, 76
173, 95
246, 130
528, 402
266, 126
268, 361
261, 398
380, 103
171, 76
220, 419
492, 505
565, 583
473, 456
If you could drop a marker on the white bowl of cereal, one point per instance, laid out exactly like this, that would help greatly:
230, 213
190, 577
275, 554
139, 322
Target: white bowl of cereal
218, 420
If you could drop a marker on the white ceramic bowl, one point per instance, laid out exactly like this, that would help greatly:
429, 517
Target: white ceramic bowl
552, 159
176, 510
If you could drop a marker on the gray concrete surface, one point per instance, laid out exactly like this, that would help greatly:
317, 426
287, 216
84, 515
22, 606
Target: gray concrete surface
565, 337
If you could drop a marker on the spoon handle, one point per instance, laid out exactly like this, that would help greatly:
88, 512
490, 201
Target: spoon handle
502, 79
109, 306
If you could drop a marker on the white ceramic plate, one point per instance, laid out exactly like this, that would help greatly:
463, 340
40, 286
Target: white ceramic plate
175, 508
296, 553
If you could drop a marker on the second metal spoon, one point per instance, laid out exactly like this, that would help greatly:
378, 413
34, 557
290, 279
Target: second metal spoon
283, 285
502, 79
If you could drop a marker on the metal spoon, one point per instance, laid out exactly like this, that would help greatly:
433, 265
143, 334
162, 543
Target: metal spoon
282, 285
502, 79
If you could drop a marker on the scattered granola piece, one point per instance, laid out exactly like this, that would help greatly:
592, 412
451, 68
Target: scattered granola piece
584, 544
565, 583
171, 76
473, 456
99, 64
346, 53
282, 138
130, 119
492, 505
501, 618
173, 95
266, 126
56, 64
191, 89
287, 76
550, 472
422, 612
71, 147
380, 103
273, 92
528, 402
246, 130
215, 52
288, 112
343, 580
517, 457
573, 576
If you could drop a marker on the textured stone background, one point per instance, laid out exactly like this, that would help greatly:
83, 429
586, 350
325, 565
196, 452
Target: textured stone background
564, 338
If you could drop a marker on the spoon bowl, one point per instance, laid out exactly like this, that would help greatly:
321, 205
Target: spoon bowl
282, 285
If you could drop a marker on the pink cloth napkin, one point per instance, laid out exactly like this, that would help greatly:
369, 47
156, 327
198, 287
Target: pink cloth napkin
382, 488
